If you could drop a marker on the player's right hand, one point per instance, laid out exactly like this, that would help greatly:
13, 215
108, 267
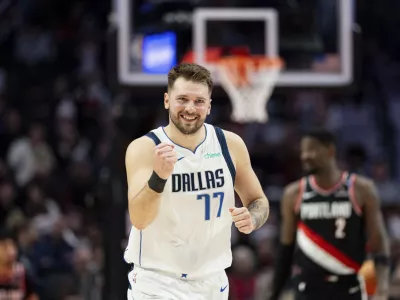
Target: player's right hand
164, 160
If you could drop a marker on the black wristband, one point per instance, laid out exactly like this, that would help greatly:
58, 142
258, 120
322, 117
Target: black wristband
156, 183
381, 259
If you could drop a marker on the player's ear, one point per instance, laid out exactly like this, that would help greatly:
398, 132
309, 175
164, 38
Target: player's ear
166, 101
209, 108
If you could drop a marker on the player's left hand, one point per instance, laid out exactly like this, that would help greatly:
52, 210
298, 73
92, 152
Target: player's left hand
242, 219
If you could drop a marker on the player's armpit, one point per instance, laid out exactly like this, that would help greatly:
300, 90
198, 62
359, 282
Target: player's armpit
143, 202
288, 223
247, 184
378, 241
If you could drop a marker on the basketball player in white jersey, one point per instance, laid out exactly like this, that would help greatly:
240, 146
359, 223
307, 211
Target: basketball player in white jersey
181, 184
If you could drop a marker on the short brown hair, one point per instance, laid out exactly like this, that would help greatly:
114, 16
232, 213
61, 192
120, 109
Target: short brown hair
190, 72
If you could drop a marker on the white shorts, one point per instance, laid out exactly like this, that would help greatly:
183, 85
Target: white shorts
147, 284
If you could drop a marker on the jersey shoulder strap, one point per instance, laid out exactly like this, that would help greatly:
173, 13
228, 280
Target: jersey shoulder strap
154, 137
225, 152
348, 179
303, 188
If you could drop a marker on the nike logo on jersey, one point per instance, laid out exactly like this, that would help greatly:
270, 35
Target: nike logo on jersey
354, 289
342, 193
302, 286
309, 195
223, 288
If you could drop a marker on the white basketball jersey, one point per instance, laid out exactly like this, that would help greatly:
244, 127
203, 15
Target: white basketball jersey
192, 233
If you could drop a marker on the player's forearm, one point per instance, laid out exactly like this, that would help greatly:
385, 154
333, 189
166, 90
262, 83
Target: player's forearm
382, 269
381, 255
282, 269
382, 278
259, 210
143, 208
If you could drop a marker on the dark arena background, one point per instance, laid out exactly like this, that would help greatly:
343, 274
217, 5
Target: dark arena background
79, 80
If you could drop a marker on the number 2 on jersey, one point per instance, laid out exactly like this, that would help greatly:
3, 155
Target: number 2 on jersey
207, 202
340, 226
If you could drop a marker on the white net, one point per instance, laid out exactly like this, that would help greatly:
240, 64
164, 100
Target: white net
249, 84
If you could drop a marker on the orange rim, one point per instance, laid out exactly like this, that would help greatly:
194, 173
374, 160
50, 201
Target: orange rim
262, 60
237, 66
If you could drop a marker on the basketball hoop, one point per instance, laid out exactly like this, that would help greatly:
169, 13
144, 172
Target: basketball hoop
249, 82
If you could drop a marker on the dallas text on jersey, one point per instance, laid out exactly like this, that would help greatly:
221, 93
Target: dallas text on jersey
188, 182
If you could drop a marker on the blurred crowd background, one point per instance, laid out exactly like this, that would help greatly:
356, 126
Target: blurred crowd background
65, 124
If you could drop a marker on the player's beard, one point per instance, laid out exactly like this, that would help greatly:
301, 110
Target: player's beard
188, 129
310, 170
313, 171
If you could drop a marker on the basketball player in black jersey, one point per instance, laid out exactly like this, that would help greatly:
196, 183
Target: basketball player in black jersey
327, 218
15, 284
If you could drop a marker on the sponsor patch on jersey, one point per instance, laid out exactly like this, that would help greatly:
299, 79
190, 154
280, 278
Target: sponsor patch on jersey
212, 155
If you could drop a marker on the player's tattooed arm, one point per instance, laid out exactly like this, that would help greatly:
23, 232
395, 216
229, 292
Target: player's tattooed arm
378, 241
259, 211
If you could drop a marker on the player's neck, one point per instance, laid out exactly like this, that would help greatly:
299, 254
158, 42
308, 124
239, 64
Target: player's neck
189, 141
328, 178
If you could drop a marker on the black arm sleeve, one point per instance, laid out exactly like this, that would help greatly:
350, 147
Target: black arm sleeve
30, 286
282, 269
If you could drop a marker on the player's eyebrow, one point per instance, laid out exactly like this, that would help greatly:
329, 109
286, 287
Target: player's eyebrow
186, 96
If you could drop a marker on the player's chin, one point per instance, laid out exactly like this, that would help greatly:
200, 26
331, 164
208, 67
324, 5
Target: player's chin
308, 169
192, 127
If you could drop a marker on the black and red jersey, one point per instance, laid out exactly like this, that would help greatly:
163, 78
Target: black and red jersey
15, 286
331, 237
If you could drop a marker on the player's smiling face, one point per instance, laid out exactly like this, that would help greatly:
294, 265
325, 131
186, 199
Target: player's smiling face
188, 104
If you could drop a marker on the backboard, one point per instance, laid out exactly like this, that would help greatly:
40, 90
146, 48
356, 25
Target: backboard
313, 37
